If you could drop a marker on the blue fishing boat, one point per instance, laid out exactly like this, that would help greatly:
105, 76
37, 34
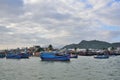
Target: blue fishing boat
13, 56
50, 56
101, 56
23, 55
73, 56
2, 55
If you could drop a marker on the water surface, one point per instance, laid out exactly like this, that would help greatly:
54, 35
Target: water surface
83, 68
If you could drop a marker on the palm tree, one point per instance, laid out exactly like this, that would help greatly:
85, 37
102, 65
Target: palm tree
75, 49
50, 47
112, 50
87, 51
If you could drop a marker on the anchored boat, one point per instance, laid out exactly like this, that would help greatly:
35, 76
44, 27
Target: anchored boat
50, 56
73, 56
2, 55
101, 56
13, 56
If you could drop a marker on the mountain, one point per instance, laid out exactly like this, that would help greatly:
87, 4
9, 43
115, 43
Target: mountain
94, 44
116, 44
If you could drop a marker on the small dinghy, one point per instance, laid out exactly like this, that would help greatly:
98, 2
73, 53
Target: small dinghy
73, 56
101, 56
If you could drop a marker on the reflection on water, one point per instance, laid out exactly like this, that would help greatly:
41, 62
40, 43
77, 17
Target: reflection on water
83, 68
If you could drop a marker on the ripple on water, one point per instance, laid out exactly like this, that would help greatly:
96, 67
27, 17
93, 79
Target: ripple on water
83, 68
53, 77
40, 77
111, 74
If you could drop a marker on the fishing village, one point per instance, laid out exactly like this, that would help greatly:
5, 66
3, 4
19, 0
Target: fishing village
64, 54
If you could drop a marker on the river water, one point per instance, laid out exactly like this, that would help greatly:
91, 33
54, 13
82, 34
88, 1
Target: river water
83, 68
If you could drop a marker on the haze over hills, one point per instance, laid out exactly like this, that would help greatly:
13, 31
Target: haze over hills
94, 44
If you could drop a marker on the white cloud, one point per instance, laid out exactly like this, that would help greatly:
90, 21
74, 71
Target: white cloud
110, 15
31, 1
58, 22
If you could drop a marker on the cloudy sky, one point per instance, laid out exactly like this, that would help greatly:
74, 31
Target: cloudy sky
58, 22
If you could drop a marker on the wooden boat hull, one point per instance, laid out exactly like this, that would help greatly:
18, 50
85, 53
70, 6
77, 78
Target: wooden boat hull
13, 56
23, 55
54, 57
2, 55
